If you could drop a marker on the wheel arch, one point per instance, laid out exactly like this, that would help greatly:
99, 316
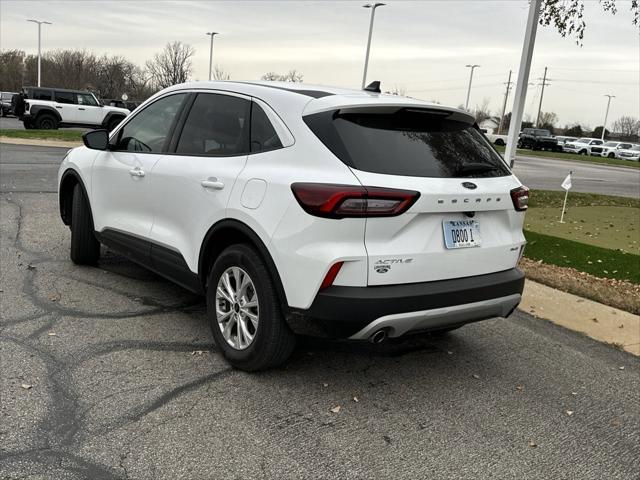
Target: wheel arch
37, 110
229, 232
110, 116
69, 179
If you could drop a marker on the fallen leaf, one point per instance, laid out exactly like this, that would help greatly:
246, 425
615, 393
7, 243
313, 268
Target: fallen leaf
449, 352
199, 352
519, 387
355, 399
594, 319
621, 368
325, 385
574, 393
53, 297
52, 334
336, 409
31, 267
621, 326
26, 386
476, 376
532, 444
569, 412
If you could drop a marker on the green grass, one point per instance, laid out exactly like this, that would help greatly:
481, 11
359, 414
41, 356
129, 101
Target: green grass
65, 135
601, 262
573, 156
549, 198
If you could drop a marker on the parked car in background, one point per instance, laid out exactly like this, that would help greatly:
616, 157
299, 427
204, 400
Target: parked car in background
130, 105
582, 146
608, 149
538, 139
632, 153
562, 140
295, 208
5, 101
497, 139
53, 108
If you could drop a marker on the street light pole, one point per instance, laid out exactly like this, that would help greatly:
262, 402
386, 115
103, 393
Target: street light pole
39, 43
604, 125
211, 34
504, 105
366, 58
473, 67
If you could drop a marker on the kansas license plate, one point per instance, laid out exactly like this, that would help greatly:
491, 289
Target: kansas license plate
461, 233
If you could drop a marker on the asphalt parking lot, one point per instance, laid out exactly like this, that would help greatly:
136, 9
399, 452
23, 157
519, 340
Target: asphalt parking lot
110, 372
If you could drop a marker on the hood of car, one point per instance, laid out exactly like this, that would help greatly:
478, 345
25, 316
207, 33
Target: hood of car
123, 111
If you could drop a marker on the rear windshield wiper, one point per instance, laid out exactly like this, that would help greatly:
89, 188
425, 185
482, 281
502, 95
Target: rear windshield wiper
476, 168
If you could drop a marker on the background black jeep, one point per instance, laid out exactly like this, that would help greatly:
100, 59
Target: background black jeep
538, 139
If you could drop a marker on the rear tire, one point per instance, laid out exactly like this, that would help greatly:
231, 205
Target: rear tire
46, 121
612, 155
85, 249
271, 341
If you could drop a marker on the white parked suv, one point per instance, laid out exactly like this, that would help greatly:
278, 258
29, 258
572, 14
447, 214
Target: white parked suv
581, 146
609, 149
52, 108
301, 209
632, 153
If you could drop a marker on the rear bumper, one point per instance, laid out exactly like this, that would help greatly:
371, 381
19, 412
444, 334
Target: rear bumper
357, 312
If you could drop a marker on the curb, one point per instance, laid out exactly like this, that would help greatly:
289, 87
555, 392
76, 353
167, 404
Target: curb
36, 142
600, 322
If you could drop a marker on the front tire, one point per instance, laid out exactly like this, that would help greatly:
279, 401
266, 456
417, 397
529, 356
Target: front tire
85, 249
244, 311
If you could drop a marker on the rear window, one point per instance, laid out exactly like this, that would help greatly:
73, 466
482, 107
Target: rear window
409, 142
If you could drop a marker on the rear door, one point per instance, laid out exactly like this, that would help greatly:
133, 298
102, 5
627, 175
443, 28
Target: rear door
193, 184
66, 105
464, 222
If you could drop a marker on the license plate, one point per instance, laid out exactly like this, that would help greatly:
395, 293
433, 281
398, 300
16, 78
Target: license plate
461, 233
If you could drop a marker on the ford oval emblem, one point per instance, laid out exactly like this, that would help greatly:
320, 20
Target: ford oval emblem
469, 185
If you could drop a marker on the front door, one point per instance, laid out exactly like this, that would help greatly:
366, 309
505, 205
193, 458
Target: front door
89, 111
122, 179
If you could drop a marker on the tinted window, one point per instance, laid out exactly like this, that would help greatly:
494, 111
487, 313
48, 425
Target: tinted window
413, 142
148, 130
263, 135
65, 97
86, 99
38, 94
216, 125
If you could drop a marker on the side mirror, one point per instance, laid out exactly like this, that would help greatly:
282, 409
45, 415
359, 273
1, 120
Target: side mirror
96, 139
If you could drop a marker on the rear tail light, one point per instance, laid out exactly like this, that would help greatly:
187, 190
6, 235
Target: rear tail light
331, 275
520, 197
343, 201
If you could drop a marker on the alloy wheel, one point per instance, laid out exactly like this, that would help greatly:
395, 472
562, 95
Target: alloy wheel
237, 310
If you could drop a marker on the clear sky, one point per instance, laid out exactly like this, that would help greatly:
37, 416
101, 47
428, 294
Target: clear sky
419, 46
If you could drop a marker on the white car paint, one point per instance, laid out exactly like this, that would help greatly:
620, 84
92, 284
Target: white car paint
170, 206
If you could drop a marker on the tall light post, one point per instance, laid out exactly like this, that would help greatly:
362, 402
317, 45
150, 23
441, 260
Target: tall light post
211, 34
366, 58
39, 42
472, 67
604, 125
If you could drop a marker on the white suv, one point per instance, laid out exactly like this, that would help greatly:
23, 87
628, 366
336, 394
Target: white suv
303, 209
581, 146
52, 108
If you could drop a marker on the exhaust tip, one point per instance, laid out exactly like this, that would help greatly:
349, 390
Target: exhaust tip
378, 337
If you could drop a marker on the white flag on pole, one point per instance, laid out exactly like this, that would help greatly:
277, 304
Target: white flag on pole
566, 184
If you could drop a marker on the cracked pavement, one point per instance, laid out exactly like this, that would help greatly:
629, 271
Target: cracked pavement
125, 383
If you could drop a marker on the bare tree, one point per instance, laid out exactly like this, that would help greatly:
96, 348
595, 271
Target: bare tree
291, 76
220, 73
11, 70
173, 65
567, 16
548, 121
482, 111
627, 128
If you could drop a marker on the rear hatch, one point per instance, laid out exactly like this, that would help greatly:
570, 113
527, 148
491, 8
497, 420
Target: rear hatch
463, 223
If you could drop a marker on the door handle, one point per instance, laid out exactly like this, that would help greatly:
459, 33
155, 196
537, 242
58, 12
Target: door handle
57, 106
212, 183
81, 109
136, 172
